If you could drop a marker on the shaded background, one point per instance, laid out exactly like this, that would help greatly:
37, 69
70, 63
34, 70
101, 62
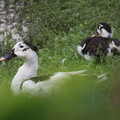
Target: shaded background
56, 27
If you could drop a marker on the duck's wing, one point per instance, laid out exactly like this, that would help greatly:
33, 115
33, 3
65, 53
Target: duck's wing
116, 41
96, 47
85, 41
49, 84
83, 45
115, 49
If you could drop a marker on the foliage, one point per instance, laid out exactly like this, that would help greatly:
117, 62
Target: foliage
47, 19
58, 26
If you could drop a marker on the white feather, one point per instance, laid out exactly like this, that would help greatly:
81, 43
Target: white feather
79, 49
88, 57
49, 86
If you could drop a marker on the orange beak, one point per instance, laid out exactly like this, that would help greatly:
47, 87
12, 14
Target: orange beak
95, 35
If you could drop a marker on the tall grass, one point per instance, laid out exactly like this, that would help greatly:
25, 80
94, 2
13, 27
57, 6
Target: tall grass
58, 27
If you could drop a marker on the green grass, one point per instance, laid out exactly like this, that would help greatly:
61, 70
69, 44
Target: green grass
82, 97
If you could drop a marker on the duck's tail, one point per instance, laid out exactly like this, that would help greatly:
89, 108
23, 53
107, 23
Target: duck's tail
74, 72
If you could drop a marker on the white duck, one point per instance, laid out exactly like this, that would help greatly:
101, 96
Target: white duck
21, 81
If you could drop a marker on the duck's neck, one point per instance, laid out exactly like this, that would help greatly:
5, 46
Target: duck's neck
25, 72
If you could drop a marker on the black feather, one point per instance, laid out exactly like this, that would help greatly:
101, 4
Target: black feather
106, 26
98, 46
41, 78
33, 47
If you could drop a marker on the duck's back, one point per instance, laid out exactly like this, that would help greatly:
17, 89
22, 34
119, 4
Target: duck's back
98, 46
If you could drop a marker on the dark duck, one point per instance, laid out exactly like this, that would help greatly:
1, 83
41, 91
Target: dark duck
100, 44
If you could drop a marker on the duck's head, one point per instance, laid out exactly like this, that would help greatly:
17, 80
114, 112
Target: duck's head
23, 50
103, 30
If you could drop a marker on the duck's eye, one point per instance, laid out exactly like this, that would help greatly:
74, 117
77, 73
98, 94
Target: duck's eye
21, 46
100, 27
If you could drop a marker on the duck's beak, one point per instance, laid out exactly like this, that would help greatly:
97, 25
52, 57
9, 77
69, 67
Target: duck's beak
95, 35
8, 56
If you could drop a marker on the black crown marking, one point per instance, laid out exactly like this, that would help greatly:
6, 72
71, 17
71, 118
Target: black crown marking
33, 47
106, 26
